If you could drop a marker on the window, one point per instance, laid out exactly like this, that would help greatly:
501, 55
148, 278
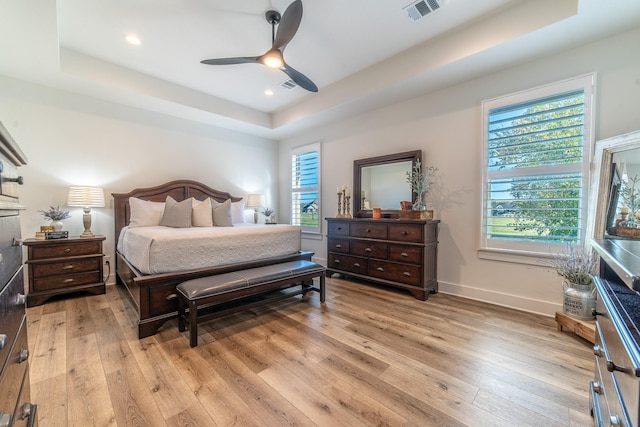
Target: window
536, 151
305, 188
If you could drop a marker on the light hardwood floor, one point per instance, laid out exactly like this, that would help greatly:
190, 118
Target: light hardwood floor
369, 356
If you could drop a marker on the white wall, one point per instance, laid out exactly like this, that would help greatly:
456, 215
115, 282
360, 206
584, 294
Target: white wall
446, 126
75, 140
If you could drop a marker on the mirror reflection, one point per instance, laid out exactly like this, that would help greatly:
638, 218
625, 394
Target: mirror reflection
623, 213
385, 186
382, 183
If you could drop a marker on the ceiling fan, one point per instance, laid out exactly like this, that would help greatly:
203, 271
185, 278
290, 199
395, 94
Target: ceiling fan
273, 58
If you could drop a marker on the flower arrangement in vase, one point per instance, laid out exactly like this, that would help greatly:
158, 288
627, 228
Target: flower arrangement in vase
56, 215
421, 182
577, 267
270, 214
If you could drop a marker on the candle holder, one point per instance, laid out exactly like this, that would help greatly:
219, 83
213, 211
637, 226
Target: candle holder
347, 207
339, 215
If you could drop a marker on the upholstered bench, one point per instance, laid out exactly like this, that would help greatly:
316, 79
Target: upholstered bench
222, 294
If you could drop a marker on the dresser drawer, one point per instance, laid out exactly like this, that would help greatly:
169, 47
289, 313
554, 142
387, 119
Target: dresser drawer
408, 254
369, 249
59, 250
11, 313
406, 233
338, 228
73, 265
11, 255
369, 230
348, 263
339, 245
13, 373
403, 273
65, 281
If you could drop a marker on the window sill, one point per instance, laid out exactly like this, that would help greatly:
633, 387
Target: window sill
515, 256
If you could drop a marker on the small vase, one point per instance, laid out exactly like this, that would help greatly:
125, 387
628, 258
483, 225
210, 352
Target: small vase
57, 225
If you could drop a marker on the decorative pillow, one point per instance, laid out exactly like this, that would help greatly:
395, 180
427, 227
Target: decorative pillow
237, 212
177, 214
144, 213
214, 203
222, 215
202, 214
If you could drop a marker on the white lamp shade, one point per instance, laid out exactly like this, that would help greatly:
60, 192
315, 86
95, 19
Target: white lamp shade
253, 201
86, 197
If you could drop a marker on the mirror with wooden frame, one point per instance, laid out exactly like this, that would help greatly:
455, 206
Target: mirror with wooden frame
381, 182
615, 158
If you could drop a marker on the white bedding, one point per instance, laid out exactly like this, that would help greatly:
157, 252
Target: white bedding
158, 249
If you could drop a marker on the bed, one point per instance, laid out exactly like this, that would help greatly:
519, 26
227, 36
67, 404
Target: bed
152, 290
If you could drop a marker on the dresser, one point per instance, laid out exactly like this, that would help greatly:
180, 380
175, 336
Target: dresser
387, 251
16, 408
615, 390
62, 266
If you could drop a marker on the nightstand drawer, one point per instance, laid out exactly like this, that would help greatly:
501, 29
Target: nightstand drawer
66, 281
64, 249
74, 265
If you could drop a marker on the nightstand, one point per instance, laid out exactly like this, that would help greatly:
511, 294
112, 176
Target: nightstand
62, 266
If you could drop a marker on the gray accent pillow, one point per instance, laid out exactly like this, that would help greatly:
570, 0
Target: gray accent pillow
222, 214
177, 214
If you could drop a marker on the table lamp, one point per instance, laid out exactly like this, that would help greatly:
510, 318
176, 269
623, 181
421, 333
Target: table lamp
253, 201
86, 198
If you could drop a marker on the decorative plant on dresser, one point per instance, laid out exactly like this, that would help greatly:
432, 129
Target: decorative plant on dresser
387, 251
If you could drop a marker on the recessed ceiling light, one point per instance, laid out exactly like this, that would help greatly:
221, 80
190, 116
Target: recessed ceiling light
132, 39
268, 92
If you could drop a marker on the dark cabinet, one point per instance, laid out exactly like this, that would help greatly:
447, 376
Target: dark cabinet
393, 252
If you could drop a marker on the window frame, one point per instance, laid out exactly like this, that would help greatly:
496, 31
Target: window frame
529, 252
307, 232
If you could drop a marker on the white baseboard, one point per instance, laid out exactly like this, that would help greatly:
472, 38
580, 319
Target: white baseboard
516, 302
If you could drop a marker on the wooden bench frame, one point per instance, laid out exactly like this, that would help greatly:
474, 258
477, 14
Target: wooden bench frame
218, 304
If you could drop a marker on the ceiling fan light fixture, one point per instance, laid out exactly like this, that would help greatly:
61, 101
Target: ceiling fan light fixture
273, 59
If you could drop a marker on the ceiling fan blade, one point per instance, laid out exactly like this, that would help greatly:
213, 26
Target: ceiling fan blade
232, 61
288, 25
300, 79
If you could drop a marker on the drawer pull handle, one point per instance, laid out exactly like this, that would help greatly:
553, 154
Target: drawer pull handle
355, 264
339, 228
406, 273
23, 355
338, 246
19, 180
171, 296
21, 299
380, 269
16, 242
404, 254
67, 267
367, 250
597, 350
404, 233
3, 341
611, 367
68, 280
67, 250
337, 261
28, 412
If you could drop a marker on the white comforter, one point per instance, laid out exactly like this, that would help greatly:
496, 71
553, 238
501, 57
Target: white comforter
154, 250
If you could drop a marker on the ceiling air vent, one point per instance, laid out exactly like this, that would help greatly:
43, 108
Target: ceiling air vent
421, 8
289, 84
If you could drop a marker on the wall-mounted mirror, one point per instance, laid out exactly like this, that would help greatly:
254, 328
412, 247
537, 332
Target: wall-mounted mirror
616, 159
382, 183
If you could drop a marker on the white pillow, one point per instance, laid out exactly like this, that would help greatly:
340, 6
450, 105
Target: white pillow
144, 213
202, 213
222, 214
237, 212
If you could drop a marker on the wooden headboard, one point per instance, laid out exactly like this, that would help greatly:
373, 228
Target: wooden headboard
179, 190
